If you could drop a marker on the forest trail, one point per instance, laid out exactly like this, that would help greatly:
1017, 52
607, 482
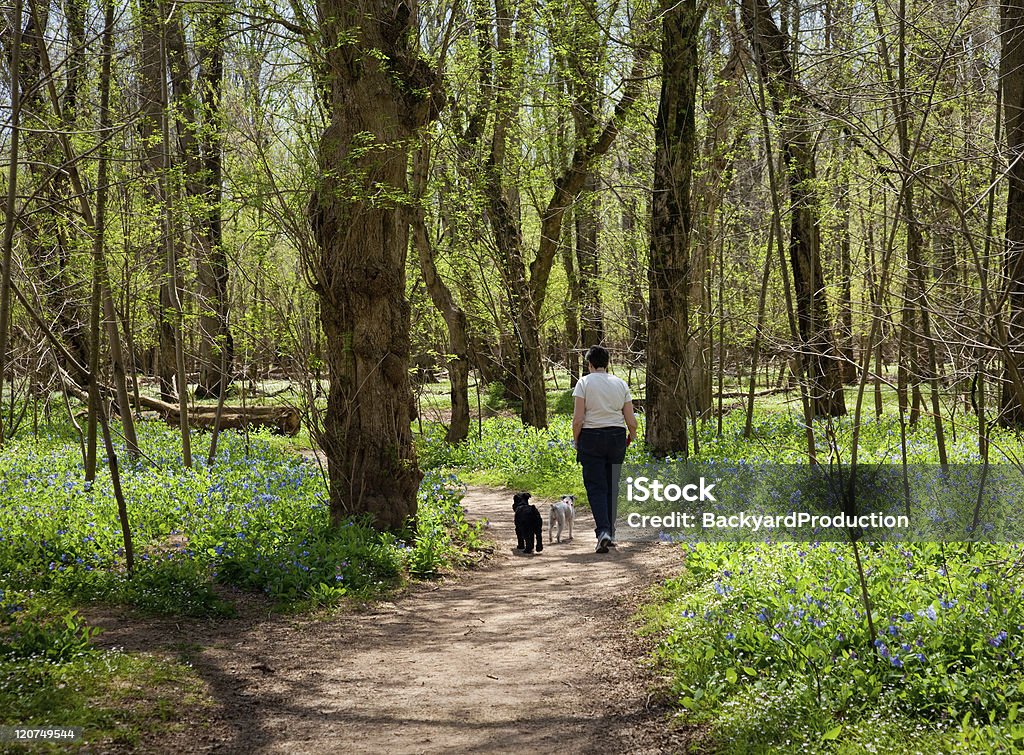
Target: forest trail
523, 653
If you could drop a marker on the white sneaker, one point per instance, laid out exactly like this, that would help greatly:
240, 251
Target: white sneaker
602, 543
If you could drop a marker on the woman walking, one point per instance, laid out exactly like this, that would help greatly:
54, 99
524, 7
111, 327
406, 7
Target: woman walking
603, 425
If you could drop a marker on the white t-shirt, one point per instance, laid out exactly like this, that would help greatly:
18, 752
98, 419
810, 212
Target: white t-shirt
604, 396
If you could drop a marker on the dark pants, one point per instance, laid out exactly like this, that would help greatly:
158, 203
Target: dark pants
601, 451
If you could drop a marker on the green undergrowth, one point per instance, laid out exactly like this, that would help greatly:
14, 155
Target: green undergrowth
118, 699
255, 520
52, 676
770, 645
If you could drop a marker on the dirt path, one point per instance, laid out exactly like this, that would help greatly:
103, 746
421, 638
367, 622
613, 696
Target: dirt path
530, 653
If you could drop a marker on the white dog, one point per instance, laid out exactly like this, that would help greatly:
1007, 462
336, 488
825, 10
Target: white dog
563, 512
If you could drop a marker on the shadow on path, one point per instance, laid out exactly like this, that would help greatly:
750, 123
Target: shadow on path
524, 651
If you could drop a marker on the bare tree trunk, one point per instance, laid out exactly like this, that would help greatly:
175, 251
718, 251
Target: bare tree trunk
503, 208
583, 81
636, 307
589, 268
170, 288
94, 222
848, 367
380, 93
44, 239
772, 51
12, 193
712, 182
216, 347
1012, 79
573, 356
454, 318
152, 111
670, 273
102, 288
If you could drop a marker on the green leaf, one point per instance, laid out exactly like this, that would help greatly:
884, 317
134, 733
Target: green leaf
749, 671
832, 734
731, 676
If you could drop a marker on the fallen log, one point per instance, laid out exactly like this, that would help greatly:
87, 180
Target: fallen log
284, 420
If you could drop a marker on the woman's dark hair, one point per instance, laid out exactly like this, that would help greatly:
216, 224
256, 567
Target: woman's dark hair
598, 356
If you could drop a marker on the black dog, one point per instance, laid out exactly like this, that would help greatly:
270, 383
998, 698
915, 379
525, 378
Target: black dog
529, 525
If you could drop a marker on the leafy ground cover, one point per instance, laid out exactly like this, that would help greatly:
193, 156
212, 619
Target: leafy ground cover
768, 644
254, 520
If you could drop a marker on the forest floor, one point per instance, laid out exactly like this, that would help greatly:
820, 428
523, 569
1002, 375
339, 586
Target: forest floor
520, 653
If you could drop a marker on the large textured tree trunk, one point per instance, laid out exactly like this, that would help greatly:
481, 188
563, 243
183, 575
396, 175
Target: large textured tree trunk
379, 93
821, 363
1012, 76
675, 137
